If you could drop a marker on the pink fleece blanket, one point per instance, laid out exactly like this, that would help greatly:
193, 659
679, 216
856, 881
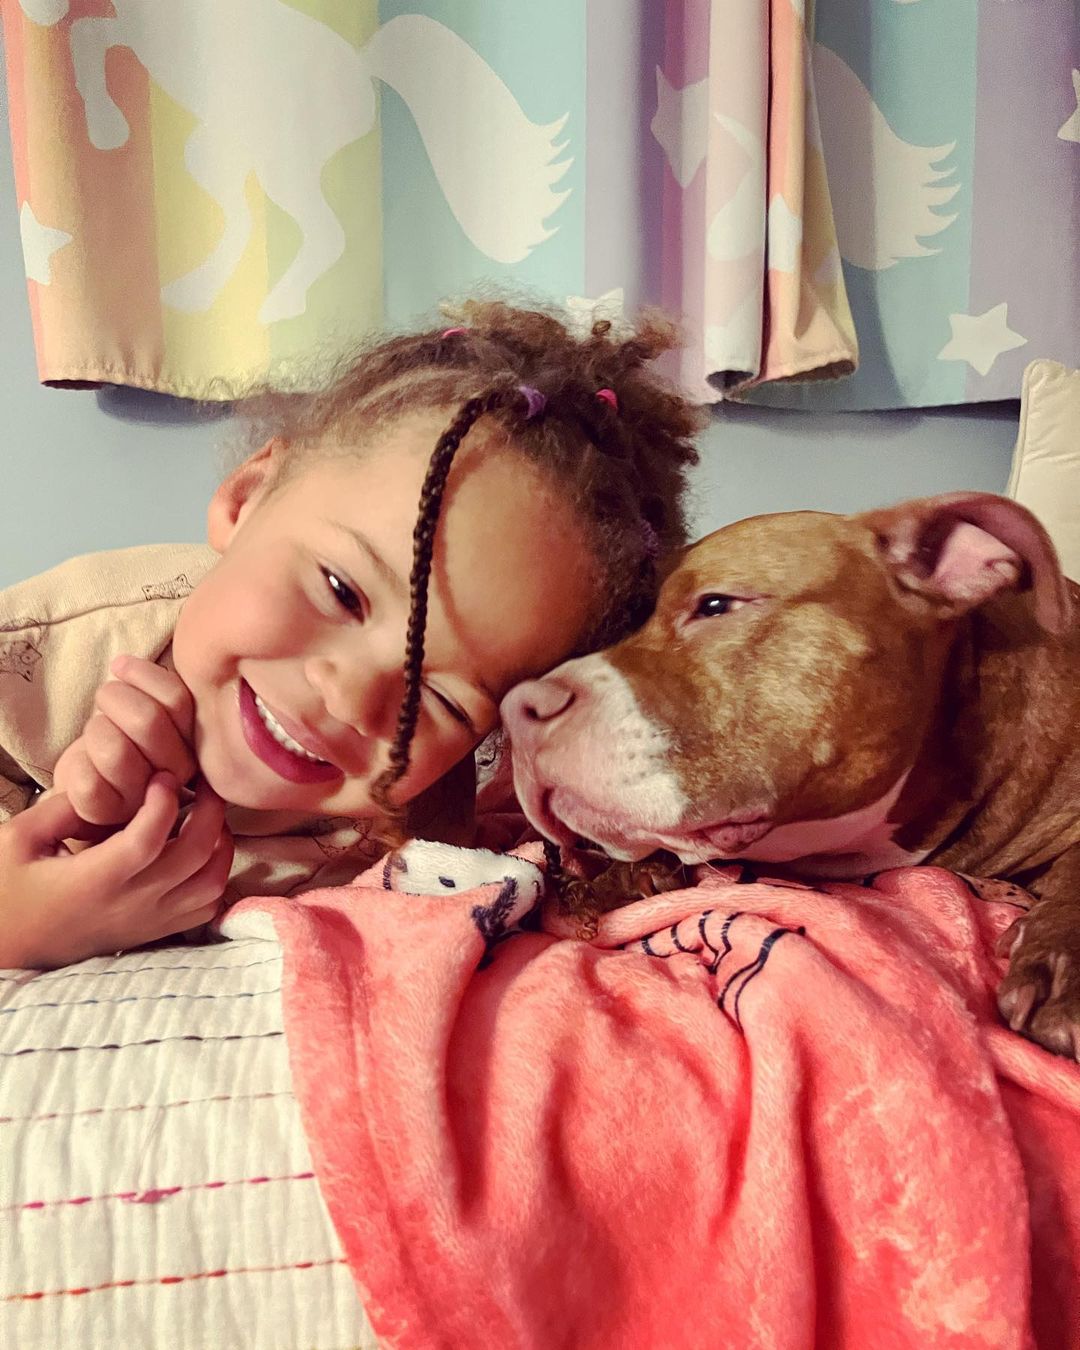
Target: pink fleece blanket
747, 1115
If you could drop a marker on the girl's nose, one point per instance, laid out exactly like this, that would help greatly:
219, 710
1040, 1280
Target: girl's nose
363, 694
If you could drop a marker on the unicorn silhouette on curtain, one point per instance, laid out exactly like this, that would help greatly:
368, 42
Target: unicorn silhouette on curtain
276, 94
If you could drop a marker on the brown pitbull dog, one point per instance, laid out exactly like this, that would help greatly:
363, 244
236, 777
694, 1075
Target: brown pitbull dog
841, 695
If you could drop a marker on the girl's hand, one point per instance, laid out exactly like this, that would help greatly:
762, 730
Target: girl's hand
143, 723
57, 907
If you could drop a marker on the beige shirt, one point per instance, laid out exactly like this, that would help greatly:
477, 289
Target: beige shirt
58, 634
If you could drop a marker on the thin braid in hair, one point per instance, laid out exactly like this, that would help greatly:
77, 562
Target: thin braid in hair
427, 521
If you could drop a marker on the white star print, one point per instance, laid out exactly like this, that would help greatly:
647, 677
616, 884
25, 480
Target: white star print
1071, 130
681, 125
39, 243
979, 339
785, 236
582, 312
44, 12
736, 344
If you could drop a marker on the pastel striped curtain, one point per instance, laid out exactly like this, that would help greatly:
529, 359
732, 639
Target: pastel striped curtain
212, 190
951, 131
750, 251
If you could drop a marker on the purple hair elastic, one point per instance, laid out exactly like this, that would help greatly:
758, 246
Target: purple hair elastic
609, 396
450, 332
535, 401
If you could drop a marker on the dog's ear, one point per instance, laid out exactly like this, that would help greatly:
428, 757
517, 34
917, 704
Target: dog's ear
961, 549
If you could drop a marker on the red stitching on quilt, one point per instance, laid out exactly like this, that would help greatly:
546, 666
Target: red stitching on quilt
173, 1279
143, 1106
154, 1195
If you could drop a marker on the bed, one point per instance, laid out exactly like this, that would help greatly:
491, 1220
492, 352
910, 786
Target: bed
156, 1187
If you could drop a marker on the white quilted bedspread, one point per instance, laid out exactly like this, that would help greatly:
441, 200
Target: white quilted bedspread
156, 1188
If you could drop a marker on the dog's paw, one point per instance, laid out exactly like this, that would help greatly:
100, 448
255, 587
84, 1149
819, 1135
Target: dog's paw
1040, 995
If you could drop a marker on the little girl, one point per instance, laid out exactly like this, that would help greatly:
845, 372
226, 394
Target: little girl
267, 670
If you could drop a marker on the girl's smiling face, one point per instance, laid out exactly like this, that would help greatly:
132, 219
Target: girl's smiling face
292, 646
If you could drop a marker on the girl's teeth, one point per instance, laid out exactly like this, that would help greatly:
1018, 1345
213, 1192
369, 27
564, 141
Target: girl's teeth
281, 735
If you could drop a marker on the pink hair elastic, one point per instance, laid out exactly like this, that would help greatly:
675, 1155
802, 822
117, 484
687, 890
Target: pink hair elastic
650, 539
609, 396
450, 332
535, 401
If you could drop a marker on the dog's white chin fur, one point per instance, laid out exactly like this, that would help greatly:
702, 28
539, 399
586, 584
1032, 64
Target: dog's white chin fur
628, 840
854, 844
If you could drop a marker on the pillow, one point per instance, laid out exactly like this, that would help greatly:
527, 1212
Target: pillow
1046, 462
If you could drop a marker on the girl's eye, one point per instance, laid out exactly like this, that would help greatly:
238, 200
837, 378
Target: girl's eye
714, 606
452, 708
343, 592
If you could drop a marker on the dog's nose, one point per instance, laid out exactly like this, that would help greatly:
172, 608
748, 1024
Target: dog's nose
537, 701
